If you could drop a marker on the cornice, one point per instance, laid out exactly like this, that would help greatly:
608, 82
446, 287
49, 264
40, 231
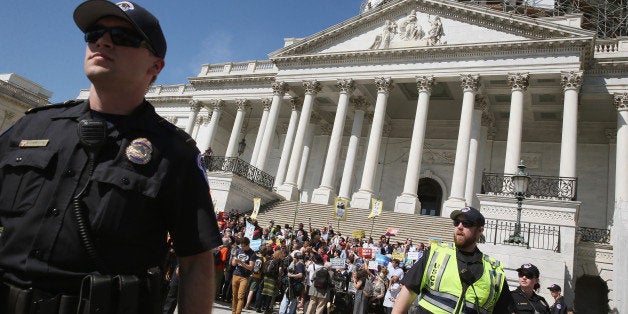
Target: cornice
167, 99
201, 82
29, 99
445, 52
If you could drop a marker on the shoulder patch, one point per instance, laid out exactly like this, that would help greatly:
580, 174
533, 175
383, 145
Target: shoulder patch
67, 104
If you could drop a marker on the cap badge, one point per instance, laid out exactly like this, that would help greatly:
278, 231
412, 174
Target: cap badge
125, 5
139, 151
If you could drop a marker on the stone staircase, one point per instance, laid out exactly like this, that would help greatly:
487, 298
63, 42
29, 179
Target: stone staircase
420, 228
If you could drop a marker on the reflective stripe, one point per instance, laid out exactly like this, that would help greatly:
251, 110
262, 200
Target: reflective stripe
470, 308
444, 301
439, 277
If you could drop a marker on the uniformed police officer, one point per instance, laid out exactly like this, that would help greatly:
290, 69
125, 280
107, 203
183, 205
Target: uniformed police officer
559, 306
525, 297
457, 278
89, 189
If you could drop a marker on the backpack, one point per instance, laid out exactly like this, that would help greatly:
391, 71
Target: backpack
272, 268
321, 279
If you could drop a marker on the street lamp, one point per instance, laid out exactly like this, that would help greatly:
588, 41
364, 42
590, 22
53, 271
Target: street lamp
520, 180
241, 146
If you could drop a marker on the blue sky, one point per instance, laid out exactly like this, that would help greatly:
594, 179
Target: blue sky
39, 40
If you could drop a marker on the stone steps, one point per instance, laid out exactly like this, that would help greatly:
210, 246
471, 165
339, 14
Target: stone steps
420, 228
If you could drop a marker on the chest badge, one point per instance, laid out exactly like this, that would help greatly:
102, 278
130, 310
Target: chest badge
139, 151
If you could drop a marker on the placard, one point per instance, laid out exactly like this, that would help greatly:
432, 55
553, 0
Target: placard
358, 234
398, 256
337, 262
373, 265
382, 259
376, 207
365, 253
256, 204
255, 244
392, 231
340, 208
413, 255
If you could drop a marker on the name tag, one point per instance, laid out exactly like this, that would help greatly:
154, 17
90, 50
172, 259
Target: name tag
34, 143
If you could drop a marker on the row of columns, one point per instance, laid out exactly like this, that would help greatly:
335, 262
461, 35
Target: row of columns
470, 136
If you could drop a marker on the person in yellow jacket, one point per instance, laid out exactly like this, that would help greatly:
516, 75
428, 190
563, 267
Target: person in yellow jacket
457, 278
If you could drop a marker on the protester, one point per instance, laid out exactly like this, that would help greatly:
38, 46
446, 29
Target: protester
295, 275
244, 261
391, 294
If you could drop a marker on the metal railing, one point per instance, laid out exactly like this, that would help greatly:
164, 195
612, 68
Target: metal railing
540, 187
595, 235
239, 167
535, 236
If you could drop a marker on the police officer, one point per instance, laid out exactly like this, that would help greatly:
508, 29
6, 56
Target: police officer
457, 278
559, 307
525, 297
89, 189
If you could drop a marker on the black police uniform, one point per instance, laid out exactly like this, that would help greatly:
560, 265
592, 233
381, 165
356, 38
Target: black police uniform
559, 306
534, 304
131, 205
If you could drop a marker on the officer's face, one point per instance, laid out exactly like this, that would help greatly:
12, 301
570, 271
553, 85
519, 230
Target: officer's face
466, 238
118, 67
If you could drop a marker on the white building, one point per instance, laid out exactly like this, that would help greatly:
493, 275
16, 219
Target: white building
430, 106
18, 94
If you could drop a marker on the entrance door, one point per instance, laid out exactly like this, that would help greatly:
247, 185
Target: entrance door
431, 197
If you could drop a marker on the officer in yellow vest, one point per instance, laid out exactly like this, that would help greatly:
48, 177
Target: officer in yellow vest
457, 278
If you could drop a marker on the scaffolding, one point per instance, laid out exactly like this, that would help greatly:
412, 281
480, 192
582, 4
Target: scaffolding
608, 18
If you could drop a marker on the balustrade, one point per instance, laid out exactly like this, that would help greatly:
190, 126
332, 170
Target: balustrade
540, 187
239, 167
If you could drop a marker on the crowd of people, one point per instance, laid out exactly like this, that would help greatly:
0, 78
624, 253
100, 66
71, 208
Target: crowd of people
320, 270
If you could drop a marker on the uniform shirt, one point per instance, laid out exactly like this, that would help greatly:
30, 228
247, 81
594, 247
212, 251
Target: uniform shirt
559, 306
472, 262
535, 304
131, 205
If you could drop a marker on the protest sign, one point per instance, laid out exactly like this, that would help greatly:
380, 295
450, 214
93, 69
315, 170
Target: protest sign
337, 263
256, 204
382, 259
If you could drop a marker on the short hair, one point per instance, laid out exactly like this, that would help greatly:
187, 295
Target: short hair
245, 241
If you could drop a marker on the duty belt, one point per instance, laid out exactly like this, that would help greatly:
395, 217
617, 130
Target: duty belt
16, 300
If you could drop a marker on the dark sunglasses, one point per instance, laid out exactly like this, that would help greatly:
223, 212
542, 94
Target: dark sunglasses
529, 276
465, 223
121, 36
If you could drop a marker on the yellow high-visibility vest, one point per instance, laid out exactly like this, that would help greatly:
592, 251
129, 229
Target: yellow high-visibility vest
441, 287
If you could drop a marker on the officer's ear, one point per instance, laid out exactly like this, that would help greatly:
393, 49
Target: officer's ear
157, 66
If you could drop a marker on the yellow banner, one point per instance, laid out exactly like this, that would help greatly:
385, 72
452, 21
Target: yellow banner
256, 204
358, 234
398, 256
376, 207
340, 208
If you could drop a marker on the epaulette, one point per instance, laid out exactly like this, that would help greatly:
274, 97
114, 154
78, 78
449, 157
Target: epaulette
67, 104
181, 134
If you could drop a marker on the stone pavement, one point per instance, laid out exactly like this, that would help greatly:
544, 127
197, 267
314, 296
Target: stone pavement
225, 308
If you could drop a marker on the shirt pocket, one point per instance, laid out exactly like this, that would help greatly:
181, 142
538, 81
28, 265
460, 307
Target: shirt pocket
125, 201
23, 174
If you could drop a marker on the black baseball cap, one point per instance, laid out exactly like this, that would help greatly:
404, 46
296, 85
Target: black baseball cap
89, 12
529, 268
554, 287
470, 213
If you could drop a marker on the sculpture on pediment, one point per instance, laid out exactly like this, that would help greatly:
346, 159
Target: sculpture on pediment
370, 4
388, 33
410, 28
435, 33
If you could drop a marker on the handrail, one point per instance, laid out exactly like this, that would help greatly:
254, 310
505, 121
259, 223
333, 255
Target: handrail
239, 167
536, 236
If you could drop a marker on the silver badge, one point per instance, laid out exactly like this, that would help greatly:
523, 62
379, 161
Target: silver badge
139, 151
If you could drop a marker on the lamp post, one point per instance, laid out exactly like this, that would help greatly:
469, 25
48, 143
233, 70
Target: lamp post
241, 146
520, 181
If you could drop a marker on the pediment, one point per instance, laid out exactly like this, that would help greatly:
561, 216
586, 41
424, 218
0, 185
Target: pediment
425, 24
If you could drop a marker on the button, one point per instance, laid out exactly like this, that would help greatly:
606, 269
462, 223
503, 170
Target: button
18, 159
125, 181
37, 254
52, 212
68, 172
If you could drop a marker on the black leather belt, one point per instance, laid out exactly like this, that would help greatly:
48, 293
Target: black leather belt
34, 301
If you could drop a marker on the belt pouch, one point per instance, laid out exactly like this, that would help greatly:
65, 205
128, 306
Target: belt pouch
95, 296
68, 304
19, 300
128, 293
151, 295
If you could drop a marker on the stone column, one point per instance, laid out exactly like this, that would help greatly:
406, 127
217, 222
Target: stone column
611, 136
408, 201
287, 143
571, 82
289, 188
195, 107
307, 148
362, 198
325, 194
216, 106
232, 147
470, 84
475, 153
620, 216
198, 122
354, 141
279, 89
518, 84
266, 102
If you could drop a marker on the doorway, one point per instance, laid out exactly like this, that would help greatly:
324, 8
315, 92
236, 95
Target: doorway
431, 197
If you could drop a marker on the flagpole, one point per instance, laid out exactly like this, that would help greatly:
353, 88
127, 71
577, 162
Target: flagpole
372, 224
294, 220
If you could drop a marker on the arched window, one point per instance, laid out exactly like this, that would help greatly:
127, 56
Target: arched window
431, 197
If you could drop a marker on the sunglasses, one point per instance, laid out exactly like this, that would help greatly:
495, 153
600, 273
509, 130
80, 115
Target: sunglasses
465, 223
529, 276
121, 36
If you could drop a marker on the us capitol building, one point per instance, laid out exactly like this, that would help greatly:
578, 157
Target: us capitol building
431, 105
